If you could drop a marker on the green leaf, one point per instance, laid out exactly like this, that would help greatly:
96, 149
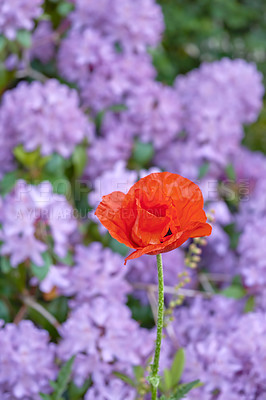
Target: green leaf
230, 172
4, 312
41, 272
56, 165
177, 367
45, 396
203, 170
79, 159
138, 372
77, 392
24, 38
3, 42
64, 8
125, 378
30, 159
67, 260
142, 153
250, 304
166, 383
63, 379
172, 376
8, 182
5, 265
184, 389
117, 107
234, 292
118, 247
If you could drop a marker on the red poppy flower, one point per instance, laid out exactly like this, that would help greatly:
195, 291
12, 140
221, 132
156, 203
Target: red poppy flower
158, 214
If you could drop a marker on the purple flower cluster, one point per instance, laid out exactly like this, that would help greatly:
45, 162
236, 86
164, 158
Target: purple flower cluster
215, 106
27, 361
30, 215
99, 330
141, 273
155, 112
229, 363
18, 14
43, 46
146, 14
45, 116
195, 128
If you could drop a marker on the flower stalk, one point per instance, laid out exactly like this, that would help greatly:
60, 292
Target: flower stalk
154, 378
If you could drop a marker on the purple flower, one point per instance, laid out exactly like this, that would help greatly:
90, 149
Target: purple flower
117, 137
99, 330
108, 388
231, 362
27, 361
145, 31
252, 254
43, 46
46, 116
117, 179
31, 214
155, 112
112, 83
18, 14
216, 104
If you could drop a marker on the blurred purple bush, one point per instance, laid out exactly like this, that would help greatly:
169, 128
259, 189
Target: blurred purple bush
81, 115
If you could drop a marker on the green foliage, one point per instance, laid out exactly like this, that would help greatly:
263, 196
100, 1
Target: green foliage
118, 247
230, 172
142, 154
24, 38
30, 159
61, 384
233, 234
58, 308
5, 265
141, 313
173, 375
250, 304
41, 271
203, 170
79, 159
209, 30
184, 389
235, 290
255, 137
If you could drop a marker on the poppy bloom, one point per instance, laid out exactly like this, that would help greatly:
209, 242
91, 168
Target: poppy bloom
158, 214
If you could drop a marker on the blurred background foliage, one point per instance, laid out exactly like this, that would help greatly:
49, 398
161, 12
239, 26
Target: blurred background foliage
208, 30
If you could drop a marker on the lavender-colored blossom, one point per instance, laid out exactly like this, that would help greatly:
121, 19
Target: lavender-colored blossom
252, 254
85, 52
43, 43
44, 115
27, 361
146, 14
18, 14
155, 112
110, 389
100, 329
142, 272
118, 179
231, 364
216, 104
112, 83
104, 76
117, 137
30, 215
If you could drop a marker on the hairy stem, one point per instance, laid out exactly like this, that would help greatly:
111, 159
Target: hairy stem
154, 377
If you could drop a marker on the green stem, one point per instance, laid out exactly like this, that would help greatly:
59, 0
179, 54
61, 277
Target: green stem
154, 377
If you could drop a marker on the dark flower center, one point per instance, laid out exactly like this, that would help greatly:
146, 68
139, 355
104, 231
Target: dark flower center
169, 233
